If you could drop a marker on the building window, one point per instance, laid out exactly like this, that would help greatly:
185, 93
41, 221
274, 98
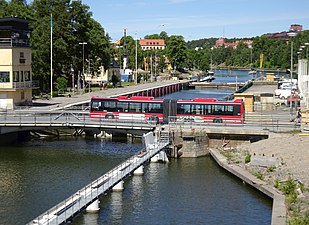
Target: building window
16, 76
22, 95
27, 75
4, 76
22, 57
22, 76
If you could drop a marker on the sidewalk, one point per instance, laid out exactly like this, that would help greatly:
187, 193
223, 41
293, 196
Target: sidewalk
62, 102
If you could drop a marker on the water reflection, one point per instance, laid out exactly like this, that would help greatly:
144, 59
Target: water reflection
116, 207
91, 218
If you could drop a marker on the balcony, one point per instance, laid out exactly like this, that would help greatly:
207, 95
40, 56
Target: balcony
20, 85
10, 42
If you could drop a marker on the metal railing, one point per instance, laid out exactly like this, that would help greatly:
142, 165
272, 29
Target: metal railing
11, 42
258, 121
69, 119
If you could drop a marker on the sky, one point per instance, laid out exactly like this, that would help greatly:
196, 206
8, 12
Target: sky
197, 19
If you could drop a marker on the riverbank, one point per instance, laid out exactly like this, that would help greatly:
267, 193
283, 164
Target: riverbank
281, 162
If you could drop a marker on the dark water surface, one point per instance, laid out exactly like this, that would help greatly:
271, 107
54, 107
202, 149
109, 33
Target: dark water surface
36, 176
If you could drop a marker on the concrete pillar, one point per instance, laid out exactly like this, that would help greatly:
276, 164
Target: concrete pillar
93, 207
119, 186
160, 157
139, 170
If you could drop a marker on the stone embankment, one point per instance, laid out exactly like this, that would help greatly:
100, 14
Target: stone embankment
276, 166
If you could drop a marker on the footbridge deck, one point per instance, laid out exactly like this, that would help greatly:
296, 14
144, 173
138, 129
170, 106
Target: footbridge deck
80, 200
13, 122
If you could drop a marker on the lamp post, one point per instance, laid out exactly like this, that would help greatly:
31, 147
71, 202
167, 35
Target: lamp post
135, 80
83, 76
73, 85
291, 35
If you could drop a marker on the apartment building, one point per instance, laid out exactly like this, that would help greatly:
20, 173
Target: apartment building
149, 44
15, 63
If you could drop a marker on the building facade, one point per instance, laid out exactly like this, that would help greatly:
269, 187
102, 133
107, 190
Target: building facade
149, 44
15, 63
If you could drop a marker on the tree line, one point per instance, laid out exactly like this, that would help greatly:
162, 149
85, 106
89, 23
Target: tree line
73, 24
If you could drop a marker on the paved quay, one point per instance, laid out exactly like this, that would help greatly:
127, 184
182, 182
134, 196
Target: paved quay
259, 88
57, 103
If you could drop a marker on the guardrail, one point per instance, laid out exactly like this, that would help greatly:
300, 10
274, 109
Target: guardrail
70, 119
270, 122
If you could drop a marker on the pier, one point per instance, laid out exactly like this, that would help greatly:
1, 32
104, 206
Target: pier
226, 86
87, 198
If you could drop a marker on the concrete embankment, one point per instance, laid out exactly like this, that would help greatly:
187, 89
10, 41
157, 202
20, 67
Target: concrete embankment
279, 211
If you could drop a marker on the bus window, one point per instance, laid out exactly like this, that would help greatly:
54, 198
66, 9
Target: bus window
155, 108
145, 108
135, 107
183, 109
236, 111
197, 109
110, 106
229, 110
123, 106
208, 110
96, 105
218, 110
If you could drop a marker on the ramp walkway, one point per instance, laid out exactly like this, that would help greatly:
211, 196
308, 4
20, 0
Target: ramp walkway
80, 200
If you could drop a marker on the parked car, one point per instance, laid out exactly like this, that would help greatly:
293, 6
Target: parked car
285, 93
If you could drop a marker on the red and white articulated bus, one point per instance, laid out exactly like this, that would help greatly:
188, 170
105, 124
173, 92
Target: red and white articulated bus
208, 110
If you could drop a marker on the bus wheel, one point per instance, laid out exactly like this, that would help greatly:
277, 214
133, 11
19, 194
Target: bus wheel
154, 118
217, 120
109, 116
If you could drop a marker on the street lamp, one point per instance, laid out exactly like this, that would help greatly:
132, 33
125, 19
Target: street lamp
73, 85
135, 80
83, 43
291, 34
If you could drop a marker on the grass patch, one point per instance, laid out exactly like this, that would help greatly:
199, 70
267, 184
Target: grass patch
259, 175
248, 158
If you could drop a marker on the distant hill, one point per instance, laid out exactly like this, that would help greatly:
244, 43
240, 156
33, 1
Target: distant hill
210, 42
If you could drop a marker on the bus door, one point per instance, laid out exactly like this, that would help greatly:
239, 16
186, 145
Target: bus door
169, 109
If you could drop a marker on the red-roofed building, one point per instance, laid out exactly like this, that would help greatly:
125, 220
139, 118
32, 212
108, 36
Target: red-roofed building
221, 42
148, 44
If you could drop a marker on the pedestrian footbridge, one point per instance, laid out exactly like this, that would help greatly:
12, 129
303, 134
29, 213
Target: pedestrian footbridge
88, 197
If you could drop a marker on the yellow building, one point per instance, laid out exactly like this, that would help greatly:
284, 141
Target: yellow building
248, 100
15, 63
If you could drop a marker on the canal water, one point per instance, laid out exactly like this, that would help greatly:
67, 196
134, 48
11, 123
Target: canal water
36, 175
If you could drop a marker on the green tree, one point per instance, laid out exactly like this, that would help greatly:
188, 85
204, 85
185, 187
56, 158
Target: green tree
72, 24
3, 8
62, 84
177, 51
